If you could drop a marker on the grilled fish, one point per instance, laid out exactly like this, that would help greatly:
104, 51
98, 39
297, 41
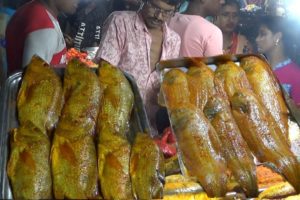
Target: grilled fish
41, 92
113, 146
197, 140
236, 152
73, 153
39, 105
267, 89
263, 139
201, 85
230, 78
146, 167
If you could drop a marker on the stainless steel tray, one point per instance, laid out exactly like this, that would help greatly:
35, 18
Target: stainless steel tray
8, 120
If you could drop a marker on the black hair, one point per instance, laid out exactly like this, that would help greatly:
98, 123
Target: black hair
278, 24
232, 2
176, 3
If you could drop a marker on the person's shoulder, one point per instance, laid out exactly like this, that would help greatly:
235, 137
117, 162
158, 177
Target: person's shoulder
123, 15
203, 26
32, 16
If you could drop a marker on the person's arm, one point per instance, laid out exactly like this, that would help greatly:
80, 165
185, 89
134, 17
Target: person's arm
214, 44
198, 41
42, 43
112, 41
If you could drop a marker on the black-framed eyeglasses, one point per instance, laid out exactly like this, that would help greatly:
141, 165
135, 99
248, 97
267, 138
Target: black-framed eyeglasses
157, 10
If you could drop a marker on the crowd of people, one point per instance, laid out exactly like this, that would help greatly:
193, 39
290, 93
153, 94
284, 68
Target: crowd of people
136, 34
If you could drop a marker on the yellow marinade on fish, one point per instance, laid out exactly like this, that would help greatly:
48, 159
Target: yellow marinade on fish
113, 120
39, 105
230, 78
146, 168
262, 137
40, 96
197, 141
201, 85
73, 152
267, 89
236, 152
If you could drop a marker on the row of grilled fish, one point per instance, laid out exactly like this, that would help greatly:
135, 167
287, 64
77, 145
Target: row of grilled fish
220, 118
70, 165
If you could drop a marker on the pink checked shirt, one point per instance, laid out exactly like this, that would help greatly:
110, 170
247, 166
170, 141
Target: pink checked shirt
126, 43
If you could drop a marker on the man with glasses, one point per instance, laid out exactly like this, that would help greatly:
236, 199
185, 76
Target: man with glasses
136, 41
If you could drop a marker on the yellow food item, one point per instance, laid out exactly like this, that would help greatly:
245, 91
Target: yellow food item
262, 138
236, 152
175, 89
267, 89
40, 96
113, 147
73, 153
146, 167
229, 78
201, 85
277, 191
39, 105
199, 147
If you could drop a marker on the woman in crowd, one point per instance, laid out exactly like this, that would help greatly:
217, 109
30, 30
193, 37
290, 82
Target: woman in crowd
275, 40
227, 21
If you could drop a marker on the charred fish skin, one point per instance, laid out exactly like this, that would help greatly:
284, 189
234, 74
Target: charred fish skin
262, 137
73, 152
41, 92
113, 147
28, 167
196, 139
146, 163
266, 87
230, 78
236, 152
201, 85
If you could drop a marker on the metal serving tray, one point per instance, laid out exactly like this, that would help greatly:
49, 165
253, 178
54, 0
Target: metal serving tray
8, 120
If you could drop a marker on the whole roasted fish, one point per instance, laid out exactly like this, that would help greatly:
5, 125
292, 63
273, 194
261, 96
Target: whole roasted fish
201, 85
113, 146
267, 89
39, 105
230, 78
73, 153
146, 167
199, 146
236, 152
40, 96
262, 137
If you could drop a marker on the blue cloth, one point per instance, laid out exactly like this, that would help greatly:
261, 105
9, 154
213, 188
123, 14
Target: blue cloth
7, 11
